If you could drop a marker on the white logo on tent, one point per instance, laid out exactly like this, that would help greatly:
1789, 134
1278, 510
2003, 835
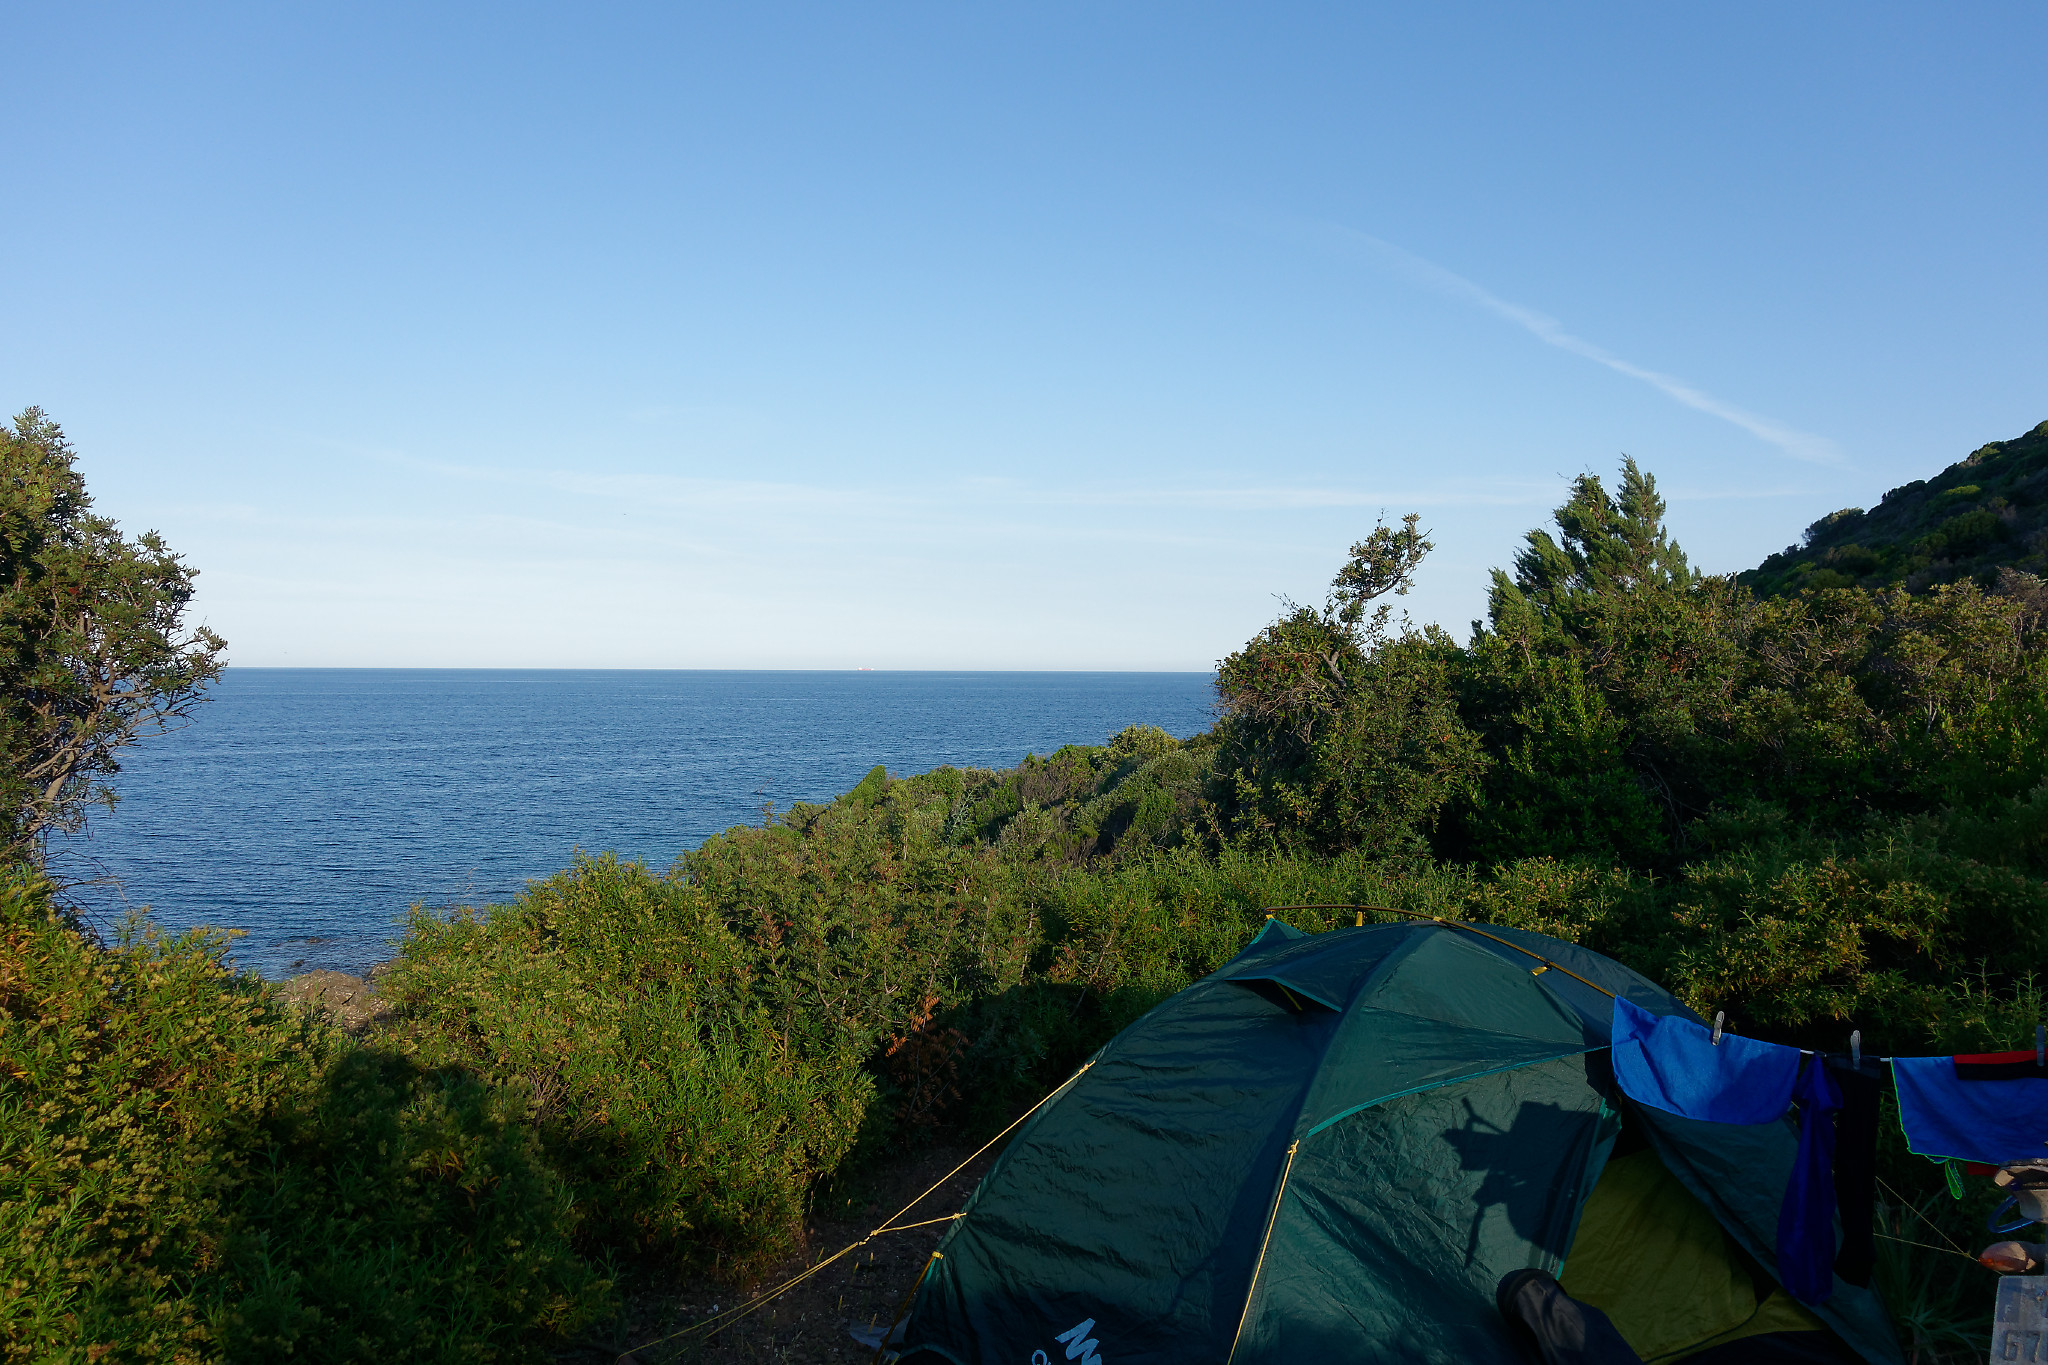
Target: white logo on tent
1077, 1348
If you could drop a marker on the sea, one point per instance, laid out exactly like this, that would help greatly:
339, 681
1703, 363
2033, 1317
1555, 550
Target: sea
308, 809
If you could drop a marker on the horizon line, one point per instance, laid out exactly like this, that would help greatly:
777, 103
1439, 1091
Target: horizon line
655, 668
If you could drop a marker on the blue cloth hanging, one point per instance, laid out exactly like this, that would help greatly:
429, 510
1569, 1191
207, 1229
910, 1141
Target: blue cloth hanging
1993, 1121
1673, 1064
1806, 1220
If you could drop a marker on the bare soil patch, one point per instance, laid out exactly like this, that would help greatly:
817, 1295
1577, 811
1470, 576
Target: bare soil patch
808, 1324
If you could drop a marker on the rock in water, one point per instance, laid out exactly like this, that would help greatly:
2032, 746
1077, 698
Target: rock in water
348, 1000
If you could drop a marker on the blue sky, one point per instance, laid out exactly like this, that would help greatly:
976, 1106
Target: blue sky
1044, 336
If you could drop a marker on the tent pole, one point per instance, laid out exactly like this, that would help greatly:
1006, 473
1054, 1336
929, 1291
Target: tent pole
903, 1309
1272, 1217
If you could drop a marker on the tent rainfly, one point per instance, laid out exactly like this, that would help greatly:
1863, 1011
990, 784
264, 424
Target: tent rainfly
1337, 1146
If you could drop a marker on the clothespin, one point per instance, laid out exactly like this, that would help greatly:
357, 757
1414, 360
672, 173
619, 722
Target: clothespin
1719, 1017
1856, 1047
2041, 1045
1361, 920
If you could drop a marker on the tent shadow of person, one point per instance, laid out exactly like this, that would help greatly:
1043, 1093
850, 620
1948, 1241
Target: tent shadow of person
1529, 1192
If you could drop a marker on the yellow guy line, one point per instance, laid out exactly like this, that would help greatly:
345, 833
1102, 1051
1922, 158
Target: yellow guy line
1272, 1217
1466, 925
720, 1321
1913, 1209
1946, 1251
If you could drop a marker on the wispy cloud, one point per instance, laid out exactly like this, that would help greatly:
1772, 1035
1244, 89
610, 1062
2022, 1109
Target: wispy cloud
718, 514
928, 499
1800, 445
1286, 498
923, 499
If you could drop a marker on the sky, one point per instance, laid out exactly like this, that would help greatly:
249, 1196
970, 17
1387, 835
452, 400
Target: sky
1041, 336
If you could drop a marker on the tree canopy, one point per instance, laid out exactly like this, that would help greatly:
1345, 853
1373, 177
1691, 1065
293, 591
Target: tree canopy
95, 648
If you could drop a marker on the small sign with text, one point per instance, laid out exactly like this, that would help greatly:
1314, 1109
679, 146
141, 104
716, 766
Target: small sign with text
2019, 1329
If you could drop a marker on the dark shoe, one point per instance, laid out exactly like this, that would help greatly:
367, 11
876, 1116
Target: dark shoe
1553, 1327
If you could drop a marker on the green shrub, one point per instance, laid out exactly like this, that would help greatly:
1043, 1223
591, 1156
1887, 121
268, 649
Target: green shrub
1334, 742
690, 1120
1970, 532
1140, 930
696, 1048
1563, 786
190, 1171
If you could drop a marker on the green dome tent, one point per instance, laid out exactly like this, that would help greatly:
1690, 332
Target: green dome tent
1335, 1147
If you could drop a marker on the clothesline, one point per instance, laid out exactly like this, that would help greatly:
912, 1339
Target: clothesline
1855, 1053
1986, 1112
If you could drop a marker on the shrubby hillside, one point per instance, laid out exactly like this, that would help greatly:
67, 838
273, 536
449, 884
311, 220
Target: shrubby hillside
1983, 513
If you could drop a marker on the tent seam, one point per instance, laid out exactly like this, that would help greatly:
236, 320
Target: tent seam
1272, 1221
1449, 1080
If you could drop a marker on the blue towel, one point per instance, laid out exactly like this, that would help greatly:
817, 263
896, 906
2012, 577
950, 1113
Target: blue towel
1994, 1122
1806, 1220
1673, 1064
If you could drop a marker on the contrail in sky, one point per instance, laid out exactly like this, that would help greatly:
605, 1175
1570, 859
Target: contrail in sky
1800, 445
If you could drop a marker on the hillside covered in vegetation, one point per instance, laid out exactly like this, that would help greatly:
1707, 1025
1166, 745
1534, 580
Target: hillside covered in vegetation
1818, 810
1983, 513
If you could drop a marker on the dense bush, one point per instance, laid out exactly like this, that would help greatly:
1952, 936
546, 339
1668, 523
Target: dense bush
693, 1045
690, 1117
1626, 705
190, 1171
1337, 733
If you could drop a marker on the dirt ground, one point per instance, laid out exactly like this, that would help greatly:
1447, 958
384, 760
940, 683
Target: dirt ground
809, 1323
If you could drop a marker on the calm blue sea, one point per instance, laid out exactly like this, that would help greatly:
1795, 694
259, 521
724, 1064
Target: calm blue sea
310, 807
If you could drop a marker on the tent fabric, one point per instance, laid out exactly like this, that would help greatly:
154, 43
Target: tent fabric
1740, 1173
1335, 1146
1657, 1263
